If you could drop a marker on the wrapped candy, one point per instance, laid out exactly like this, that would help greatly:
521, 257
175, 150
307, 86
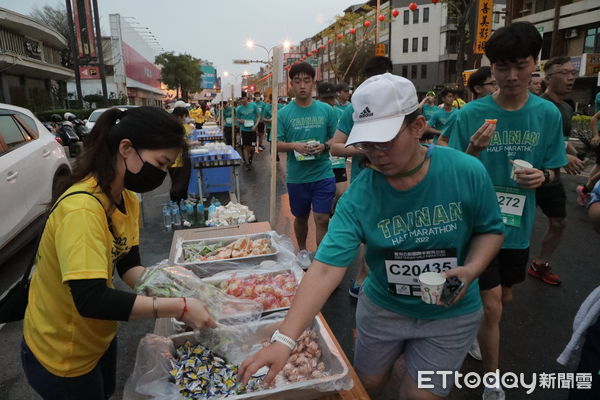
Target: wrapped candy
200, 374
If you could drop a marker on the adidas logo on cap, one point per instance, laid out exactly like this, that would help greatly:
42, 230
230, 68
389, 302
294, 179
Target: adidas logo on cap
365, 113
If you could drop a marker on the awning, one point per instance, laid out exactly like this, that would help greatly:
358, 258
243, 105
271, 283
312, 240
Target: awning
32, 68
132, 83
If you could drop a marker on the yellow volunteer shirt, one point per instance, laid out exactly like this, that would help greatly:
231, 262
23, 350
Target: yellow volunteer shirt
178, 163
76, 244
197, 115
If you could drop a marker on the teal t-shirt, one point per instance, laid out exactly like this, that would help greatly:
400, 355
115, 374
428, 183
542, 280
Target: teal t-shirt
261, 107
338, 162
345, 125
250, 114
227, 116
302, 124
533, 134
428, 111
439, 119
426, 228
343, 107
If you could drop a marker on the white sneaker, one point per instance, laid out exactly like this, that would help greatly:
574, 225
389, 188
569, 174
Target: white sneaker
493, 394
304, 259
475, 351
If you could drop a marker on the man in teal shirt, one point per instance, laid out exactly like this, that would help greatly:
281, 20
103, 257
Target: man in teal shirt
267, 117
260, 129
228, 122
343, 96
511, 124
424, 209
439, 120
304, 129
248, 116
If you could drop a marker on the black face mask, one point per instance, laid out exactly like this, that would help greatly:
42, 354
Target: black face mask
148, 179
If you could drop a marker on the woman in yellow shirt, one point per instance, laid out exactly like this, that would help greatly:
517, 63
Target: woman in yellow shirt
69, 346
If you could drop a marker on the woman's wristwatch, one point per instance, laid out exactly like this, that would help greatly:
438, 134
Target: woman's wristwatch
283, 339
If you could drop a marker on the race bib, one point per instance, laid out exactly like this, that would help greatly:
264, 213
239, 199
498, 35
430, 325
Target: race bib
248, 123
228, 120
404, 267
302, 157
512, 203
337, 161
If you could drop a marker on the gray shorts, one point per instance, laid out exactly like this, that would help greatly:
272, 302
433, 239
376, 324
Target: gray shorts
427, 345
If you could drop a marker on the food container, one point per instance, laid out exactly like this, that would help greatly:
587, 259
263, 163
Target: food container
338, 378
180, 248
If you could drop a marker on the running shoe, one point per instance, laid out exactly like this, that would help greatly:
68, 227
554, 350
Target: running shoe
544, 273
475, 351
493, 394
354, 290
582, 197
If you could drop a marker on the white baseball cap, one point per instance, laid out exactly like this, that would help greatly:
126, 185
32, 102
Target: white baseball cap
380, 104
181, 103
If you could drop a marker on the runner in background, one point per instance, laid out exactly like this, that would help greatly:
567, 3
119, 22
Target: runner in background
304, 129
374, 66
428, 107
228, 122
458, 102
535, 84
247, 115
552, 198
440, 118
258, 100
267, 117
462, 233
343, 96
326, 94
480, 83
583, 191
511, 124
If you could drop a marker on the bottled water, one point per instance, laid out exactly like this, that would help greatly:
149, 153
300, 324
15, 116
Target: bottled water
166, 217
176, 215
211, 211
200, 213
183, 210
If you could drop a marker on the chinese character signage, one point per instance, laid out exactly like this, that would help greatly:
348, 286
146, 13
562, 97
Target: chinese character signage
483, 30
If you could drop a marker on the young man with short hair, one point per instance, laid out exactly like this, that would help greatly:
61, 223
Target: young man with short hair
439, 120
304, 129
552, 198
431, 207
260, 129
326, 94
248, 116
509, 125
343, 96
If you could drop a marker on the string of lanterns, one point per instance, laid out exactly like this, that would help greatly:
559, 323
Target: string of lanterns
352, 31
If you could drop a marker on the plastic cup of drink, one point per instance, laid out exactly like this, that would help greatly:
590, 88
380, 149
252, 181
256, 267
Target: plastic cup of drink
312, 143
432, 285
519, 165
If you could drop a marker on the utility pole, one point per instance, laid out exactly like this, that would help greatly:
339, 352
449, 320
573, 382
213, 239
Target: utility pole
100, 50
74, 53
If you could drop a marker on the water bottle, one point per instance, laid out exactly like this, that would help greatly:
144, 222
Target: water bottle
183, 210
211, 211
200, 213
166, 217
176, 215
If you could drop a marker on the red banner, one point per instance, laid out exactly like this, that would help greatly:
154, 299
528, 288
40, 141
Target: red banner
84, 29
140, 69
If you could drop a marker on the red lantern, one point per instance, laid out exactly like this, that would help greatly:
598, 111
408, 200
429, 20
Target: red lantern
381, 17
322, 47
367, 24
308, 55
395, 12
414, 6
315, 51
330, 42
352, 31
339, 36
435, 1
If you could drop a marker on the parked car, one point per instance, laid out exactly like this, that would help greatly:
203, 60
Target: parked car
91, 121
32, 163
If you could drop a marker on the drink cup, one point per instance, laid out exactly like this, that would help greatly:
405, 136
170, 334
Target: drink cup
432, 285
518, 165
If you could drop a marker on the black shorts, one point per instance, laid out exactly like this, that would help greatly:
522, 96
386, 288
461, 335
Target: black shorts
248, 138
552, 199
261, 127
508, 268
227, 133
340, 175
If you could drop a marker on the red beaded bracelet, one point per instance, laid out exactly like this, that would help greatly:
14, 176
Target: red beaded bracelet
185, 309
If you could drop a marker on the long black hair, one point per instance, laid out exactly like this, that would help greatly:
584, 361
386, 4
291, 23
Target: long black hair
147, 128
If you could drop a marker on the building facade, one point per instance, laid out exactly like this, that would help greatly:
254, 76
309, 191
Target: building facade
32, 63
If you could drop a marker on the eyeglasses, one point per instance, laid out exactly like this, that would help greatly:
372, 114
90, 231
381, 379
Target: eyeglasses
372, 146
573, 73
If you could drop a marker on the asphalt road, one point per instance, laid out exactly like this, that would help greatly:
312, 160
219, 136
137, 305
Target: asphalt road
535, 327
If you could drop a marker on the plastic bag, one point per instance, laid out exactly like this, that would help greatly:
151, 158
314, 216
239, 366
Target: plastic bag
175, 281
150, 378
282, 245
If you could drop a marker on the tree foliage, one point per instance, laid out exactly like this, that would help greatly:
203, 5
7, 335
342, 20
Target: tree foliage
54, 17
180, 72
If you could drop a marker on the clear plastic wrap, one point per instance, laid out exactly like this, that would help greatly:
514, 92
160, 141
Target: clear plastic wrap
173, 281
150, 378
283, 253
